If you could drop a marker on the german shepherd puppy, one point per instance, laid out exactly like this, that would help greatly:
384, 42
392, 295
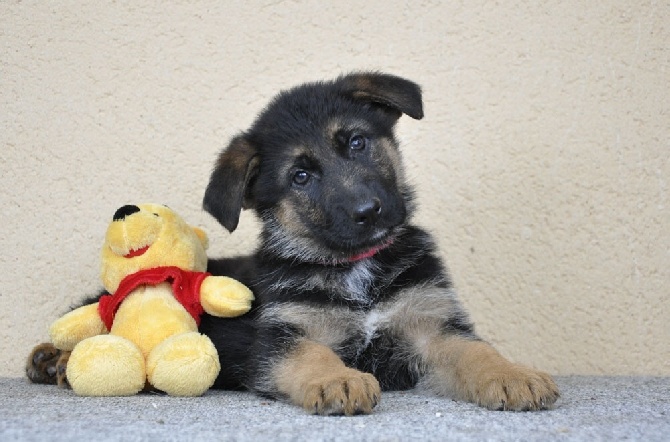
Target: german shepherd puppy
353, 298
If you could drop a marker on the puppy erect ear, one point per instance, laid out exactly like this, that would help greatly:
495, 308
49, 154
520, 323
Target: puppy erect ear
398, 94
228, 190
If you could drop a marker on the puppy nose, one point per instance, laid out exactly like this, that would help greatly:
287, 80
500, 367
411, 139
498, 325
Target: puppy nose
367, 213
125, 211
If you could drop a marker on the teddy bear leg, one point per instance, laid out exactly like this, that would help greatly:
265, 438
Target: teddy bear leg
183, 365
106, 365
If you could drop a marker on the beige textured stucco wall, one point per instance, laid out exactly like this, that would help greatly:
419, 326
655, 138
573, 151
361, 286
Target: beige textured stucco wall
542, 164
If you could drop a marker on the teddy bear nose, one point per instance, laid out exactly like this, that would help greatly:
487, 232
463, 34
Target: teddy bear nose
125, 211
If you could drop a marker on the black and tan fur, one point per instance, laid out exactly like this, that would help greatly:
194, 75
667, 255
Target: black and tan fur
353, 298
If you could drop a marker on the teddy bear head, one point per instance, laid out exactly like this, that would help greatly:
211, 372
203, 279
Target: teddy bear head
146, 236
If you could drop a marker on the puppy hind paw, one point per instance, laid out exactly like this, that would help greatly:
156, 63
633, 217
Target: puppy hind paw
61, 370
41, 364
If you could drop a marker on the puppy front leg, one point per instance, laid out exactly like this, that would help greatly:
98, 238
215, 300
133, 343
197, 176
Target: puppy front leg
473, 370
315, 378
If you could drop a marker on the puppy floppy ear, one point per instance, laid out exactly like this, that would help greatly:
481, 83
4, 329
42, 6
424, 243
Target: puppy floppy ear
228, 191
400, 95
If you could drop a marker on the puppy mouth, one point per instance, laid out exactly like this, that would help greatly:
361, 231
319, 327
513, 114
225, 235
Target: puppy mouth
136, 252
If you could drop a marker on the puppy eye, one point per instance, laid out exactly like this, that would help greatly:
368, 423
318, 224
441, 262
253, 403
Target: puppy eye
301, 177
357, 142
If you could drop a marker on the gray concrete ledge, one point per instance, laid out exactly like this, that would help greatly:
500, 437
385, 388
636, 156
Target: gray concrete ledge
591, 408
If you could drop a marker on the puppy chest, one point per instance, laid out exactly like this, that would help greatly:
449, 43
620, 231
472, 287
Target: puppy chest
336, 327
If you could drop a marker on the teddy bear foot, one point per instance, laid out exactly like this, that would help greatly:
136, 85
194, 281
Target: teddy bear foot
183, 365
106, 365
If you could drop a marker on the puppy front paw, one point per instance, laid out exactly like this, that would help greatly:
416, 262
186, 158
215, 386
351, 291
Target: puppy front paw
349, 392
516, 388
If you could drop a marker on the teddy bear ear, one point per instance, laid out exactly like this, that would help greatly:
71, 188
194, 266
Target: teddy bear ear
202, 236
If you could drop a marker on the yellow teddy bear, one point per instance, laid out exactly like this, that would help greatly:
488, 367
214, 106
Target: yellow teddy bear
153, 265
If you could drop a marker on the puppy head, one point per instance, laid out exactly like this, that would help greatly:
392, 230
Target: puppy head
321, 166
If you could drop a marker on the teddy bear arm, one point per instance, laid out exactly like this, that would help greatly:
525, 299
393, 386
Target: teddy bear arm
75, 326
225, 297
